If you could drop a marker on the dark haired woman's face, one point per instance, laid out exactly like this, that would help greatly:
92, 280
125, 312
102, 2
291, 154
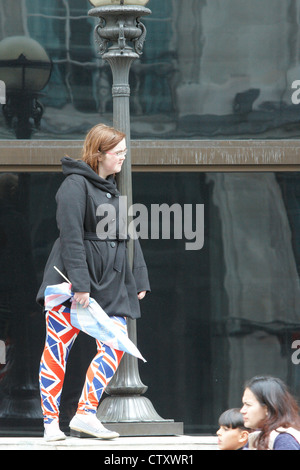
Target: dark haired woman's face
254, 414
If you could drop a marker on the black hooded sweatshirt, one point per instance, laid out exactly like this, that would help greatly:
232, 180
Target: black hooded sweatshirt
94, 265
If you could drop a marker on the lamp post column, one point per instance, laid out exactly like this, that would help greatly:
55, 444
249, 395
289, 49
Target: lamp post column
119, 26
120, 36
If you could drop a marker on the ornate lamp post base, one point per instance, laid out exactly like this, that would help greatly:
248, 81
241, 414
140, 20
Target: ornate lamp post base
120, 36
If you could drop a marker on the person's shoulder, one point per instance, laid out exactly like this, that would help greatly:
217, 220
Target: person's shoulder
72, 188
285, 441
75, 177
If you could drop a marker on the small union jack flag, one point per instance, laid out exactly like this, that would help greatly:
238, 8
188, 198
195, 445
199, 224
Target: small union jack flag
91, 320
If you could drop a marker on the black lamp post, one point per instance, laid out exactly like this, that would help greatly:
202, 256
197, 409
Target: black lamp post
25, 69
120, 36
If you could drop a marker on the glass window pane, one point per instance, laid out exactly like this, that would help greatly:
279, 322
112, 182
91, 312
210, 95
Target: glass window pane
214, 312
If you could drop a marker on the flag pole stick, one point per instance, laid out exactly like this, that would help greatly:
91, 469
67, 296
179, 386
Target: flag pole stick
62, 274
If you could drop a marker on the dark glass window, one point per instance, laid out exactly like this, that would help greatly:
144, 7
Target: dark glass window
216, 316
207, 71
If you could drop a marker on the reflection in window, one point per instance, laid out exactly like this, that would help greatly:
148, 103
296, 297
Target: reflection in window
218, 315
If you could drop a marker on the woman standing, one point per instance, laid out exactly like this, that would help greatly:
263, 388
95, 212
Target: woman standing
270, 409
97, 267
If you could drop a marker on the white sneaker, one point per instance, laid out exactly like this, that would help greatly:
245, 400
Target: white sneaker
53, 433
89, 424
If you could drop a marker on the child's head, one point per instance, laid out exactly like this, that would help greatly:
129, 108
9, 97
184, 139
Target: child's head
232, 434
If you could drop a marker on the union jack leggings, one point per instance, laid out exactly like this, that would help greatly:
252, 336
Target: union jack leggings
60, 337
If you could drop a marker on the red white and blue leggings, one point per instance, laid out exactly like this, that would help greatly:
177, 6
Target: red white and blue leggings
60, 337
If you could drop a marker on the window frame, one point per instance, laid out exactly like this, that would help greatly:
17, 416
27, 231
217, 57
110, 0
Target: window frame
162, 155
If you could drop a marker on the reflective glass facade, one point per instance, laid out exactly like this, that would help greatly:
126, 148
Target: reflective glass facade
217, 69
211, 70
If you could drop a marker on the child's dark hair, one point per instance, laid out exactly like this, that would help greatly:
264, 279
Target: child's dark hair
232, 419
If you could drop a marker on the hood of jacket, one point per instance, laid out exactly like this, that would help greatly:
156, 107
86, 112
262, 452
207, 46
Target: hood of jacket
79, 167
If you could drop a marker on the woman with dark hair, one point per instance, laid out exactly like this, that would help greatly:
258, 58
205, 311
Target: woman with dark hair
98, 268
270, 410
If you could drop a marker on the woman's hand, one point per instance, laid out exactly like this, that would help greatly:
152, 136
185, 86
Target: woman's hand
83, 298
141, 295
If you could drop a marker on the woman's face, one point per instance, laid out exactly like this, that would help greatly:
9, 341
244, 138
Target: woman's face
113, 160
254, 414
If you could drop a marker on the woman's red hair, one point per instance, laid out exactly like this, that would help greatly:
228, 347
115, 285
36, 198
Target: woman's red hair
99, 140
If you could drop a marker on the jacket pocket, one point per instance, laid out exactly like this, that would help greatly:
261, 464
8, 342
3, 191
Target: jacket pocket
95, 256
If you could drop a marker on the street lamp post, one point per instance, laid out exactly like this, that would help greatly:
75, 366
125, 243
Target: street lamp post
120, 36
